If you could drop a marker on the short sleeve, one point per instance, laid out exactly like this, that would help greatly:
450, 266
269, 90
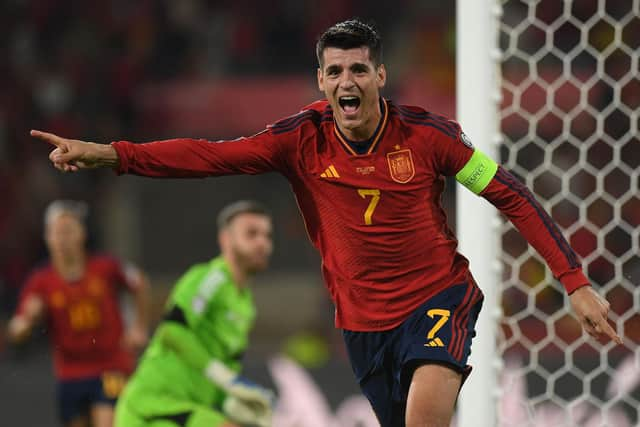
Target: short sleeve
121, 274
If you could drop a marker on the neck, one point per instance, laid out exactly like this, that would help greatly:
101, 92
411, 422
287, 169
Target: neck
69, 267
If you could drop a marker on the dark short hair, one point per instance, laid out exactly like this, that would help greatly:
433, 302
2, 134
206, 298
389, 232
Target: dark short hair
229, 212
351, 34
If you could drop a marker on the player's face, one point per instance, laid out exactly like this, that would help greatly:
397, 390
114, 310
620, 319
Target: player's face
65, 236
352, 82
249, 237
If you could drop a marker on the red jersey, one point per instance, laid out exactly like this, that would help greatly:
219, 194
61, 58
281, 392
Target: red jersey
376, 217
83, 317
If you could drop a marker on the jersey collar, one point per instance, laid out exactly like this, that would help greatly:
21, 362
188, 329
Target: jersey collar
371, 142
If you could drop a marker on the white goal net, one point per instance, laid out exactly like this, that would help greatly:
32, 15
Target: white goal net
569, 119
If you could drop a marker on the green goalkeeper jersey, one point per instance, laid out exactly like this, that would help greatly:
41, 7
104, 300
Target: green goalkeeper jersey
206, 305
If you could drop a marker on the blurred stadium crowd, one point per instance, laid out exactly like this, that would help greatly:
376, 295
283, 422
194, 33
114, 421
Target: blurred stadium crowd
78, 69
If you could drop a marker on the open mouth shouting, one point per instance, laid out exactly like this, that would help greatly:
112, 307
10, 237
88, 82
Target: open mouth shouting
350, 104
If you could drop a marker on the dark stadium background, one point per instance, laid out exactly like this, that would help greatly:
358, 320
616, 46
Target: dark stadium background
145, 70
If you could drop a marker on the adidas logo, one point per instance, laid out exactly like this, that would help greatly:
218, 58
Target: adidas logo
330, 172
437, 342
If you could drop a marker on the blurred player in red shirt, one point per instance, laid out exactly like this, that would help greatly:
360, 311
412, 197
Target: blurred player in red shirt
77, 294
368, 175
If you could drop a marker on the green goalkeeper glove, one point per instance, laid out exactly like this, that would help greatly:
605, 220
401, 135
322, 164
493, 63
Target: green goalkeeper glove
254, 398
239, 412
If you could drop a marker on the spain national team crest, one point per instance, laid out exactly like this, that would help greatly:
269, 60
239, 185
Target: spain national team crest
401, 166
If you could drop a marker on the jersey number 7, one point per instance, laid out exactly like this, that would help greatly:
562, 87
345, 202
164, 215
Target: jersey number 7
375, 198
431, 335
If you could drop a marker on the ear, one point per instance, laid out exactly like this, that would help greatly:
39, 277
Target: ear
320, 79
381, 75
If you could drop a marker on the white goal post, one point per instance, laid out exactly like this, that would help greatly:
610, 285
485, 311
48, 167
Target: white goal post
477, 98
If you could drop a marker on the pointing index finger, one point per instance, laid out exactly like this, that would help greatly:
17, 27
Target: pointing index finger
608, 330
47, 137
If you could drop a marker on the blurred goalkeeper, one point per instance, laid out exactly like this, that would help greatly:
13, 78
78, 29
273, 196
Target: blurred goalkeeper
189, 374
368, 175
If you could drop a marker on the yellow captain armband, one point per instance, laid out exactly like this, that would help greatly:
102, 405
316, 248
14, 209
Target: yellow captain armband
478, 172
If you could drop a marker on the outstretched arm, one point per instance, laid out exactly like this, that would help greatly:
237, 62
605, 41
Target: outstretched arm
71, 155
481, 175
266, 151
518, 204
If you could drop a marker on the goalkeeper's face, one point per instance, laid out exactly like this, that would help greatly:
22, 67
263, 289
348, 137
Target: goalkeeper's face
248, 238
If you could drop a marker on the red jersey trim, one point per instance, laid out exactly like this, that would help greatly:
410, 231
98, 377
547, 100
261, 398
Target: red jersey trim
376, 139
